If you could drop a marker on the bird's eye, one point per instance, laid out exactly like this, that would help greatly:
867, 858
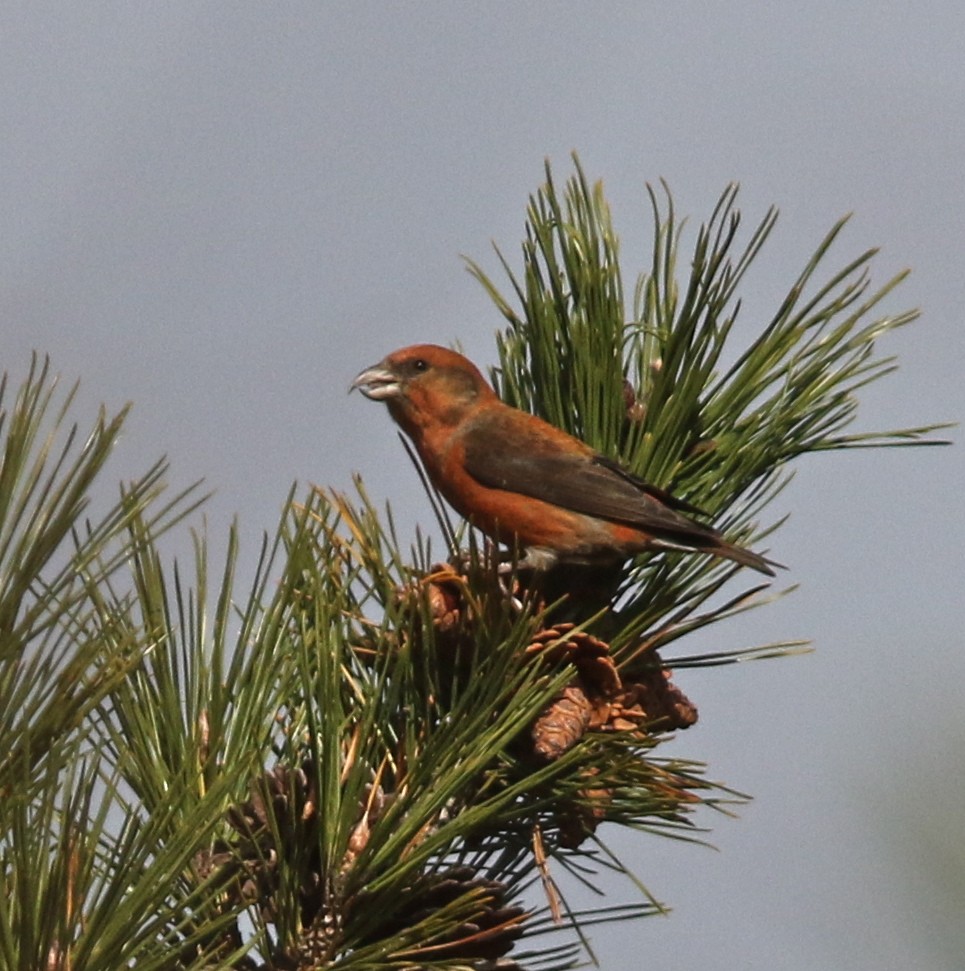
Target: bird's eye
420, 365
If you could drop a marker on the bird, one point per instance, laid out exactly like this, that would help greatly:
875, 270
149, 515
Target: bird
524, 482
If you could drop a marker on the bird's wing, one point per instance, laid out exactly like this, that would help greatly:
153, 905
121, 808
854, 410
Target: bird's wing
585, 483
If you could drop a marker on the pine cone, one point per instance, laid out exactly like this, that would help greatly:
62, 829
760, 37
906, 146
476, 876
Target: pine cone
284, 795
485, 936
285, 801
562, 724
585, 701
444, 595
654, 700
580, 820
439, 598
597, 699
275, 826
443, 599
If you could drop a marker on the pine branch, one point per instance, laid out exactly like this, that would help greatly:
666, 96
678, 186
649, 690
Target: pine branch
55, 664
367, 759
651, 391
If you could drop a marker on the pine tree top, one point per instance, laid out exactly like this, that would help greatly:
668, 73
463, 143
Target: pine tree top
368, 758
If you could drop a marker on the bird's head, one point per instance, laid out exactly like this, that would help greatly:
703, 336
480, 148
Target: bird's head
425, 385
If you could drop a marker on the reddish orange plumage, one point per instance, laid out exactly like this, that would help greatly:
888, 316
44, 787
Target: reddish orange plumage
519, 479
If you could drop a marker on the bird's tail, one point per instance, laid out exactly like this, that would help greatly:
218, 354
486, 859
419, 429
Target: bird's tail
710, 541
746, 557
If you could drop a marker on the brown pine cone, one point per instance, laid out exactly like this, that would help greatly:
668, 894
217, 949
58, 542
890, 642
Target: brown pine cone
487, 935
596, 699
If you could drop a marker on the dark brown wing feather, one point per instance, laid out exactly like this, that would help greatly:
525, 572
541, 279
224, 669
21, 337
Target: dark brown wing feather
590, 484
584, 485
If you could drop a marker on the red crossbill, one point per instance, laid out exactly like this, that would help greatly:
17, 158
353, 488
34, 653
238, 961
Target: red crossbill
523, 481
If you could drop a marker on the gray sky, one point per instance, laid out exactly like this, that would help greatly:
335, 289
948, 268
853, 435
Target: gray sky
223, 211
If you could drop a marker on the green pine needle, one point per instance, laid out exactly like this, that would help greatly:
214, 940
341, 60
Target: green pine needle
649, 387
306, 771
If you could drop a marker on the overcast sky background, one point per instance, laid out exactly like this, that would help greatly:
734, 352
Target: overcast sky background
223, 211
